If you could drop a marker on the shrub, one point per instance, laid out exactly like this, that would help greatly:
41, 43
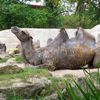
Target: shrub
23, 15
74, 21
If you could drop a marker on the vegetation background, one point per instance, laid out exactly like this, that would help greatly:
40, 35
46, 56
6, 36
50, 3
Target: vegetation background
53, 15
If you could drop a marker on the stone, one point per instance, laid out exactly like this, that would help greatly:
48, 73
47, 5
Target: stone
10, 69
2, 48
2, 96
53, 96
99, 37
27, 89
11, 61
14, 52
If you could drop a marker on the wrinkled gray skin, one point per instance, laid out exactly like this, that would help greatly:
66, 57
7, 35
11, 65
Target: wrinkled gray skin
62, 52
2, 48
36, 45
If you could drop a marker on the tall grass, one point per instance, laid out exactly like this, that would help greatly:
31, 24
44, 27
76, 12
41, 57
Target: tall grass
87, 89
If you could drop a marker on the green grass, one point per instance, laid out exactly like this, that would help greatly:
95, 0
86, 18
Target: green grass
87, 89
75, 91
28, 72
3, 60
19, 59
7, 80
57, 84
14, 97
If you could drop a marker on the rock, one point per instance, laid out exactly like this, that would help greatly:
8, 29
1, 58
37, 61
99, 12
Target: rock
2, 48
13, 52
11, 61
2, 96
96, 28
4, 55
53, 96
81, 82
37, 80
16, 51
9, 69
27, 89
99, 37
96, 31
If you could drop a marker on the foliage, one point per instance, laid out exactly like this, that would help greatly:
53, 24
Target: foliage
73, 21
4, 59
6, 80
22, 15
28, 72
16, 13
19, 59
84, 89
88, 7
87, 89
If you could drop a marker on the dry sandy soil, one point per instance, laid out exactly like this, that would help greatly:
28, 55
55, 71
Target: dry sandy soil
77, 73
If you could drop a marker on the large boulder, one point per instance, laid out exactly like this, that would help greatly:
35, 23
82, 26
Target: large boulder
10, 69
27, 89
99, 37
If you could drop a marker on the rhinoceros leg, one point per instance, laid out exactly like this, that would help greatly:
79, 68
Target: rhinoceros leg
96, 61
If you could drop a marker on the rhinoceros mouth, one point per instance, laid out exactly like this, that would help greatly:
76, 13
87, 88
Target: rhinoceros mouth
22, 35
15, 29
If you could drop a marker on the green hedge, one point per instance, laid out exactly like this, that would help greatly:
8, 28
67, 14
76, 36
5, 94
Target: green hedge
22, 15
74, 21
25, 16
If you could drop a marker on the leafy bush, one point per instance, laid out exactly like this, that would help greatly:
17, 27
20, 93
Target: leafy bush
74, 21
13, 13
23, 15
